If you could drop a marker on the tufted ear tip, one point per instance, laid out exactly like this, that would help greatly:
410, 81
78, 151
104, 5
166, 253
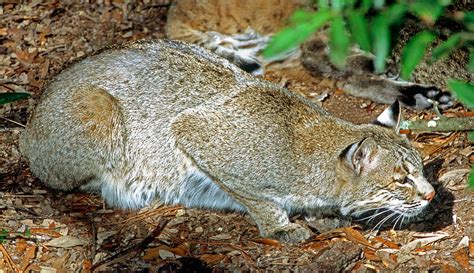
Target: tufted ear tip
390, 117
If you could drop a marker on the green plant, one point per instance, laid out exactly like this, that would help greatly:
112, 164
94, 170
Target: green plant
369, 24
11, 97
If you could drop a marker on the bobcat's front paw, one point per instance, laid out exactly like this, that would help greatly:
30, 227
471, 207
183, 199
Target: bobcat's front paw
292, 233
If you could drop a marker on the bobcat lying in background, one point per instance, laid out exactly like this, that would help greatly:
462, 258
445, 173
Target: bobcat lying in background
170, 121
239, 29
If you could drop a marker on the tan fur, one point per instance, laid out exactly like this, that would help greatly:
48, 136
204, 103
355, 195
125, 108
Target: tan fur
186, 18
171, 122
95, 110
200, 21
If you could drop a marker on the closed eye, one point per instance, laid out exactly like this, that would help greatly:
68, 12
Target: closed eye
404, 184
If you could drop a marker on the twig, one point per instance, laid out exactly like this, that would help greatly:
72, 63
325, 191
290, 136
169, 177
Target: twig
94, 240
135, 249
14, 122
9, 259
440, 125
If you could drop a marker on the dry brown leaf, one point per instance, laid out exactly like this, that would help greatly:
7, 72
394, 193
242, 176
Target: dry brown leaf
370, 255
448, 268
21, 245
339, 91
394, 257
424, 248
266, 241
66, 242
316, 246
44, 70
387, 243
45, 231
180, 250
356, 237
461, 257
212, 259
25, 56
151, 253
29, 255
87, 265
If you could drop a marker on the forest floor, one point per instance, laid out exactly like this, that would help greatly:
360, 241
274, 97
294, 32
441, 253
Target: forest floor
52, 231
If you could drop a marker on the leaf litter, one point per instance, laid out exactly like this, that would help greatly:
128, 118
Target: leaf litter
48, 231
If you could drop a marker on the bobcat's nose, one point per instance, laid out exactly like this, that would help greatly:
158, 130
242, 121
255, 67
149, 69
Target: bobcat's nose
429, 196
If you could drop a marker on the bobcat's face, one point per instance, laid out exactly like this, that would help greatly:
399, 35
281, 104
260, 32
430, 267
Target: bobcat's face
383, 176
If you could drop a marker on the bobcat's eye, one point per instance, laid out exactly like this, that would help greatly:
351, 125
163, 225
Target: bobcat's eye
405, 183
398, 175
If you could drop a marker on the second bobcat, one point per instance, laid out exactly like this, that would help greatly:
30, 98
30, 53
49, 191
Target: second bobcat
169, 121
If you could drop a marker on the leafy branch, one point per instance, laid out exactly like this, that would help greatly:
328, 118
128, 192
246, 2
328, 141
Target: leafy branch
369, 24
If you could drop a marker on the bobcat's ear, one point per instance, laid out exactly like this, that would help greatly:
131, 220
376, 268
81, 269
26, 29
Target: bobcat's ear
361, 156
390, 117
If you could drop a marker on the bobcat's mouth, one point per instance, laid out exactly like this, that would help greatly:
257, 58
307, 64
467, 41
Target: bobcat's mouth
394, 215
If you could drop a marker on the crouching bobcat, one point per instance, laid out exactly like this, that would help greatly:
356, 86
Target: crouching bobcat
165, 120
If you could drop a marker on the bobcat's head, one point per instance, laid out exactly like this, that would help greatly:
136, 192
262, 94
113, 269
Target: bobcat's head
383, 174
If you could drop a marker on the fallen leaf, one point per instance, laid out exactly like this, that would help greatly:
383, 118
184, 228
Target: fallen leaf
212, 259
66, 242
427, 239
221, 237
370, 255
462, 258
446, 268
266, 241
29, 255
165, 254
21, 245
180, 250
151, 253
356, 237
43, 231
387, 243
464, 242
316, 246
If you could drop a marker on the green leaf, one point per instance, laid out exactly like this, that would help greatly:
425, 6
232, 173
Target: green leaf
381, 42
463, 91
414, 51
338, 42
378, 4
291, 37
427, 10
471, 178
365, 5
395, 13
469, 20
470, 65
11, 97
359, 29
337, 5
301, 17
470, 136
444, 2
323, 4
446, 47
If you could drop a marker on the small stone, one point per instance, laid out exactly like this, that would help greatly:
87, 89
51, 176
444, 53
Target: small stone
199, 230
180, 212
432, 123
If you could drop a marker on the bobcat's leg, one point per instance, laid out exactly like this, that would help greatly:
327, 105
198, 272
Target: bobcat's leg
273, 221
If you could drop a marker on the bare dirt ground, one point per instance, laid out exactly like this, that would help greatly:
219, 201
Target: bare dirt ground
50, 231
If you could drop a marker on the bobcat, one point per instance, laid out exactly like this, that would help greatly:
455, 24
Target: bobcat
239, 29
170, 121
